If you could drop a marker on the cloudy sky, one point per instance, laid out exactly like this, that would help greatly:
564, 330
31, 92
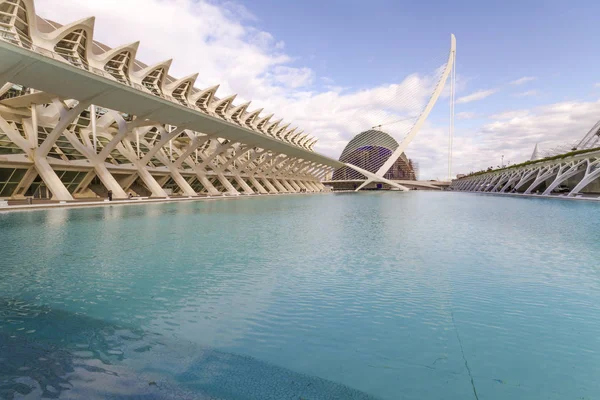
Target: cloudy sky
527, 72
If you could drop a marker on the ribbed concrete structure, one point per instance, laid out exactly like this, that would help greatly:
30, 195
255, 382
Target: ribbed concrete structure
79, 119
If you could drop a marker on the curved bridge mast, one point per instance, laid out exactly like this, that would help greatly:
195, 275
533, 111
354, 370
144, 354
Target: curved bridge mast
378, 176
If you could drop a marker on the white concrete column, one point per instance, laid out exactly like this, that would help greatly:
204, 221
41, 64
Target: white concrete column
280, 186
52, 181
128, 181
588, 178
293, 184
542, 176
313, 185
240, 152
257, 185
288, 184
270, 186
225, 182
165, 137
301, 185
565, 174
247, 189
526, 178
109, 181
210, 188
151, 183
183, 184
253, 156
39, 154
85, 182
25, 182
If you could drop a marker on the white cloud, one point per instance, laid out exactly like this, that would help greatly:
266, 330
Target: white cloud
216, 40
515, 133
510, 114
219, 41
527, 93
479, 95
597, 85
292, 77
466, 115
523, 80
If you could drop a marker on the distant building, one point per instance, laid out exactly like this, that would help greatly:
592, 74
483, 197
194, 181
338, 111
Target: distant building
536, 154
415, 166
369, 150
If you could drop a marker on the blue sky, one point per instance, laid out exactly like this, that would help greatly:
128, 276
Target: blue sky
362, 44
366, 42
527, 71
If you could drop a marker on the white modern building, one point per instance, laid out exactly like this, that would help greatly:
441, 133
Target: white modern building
79, 119
575, 172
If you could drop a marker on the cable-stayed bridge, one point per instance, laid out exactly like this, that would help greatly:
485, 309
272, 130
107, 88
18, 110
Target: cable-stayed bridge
377, 155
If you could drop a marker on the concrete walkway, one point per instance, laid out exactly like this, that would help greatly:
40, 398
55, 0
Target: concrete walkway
133, 201
581, 197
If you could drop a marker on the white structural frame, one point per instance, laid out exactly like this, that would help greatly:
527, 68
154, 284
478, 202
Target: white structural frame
580, 169
378, 176
71, 105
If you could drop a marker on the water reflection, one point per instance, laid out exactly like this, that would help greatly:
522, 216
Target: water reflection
371, 291
52, 353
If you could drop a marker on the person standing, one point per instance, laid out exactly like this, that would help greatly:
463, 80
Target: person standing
110, 195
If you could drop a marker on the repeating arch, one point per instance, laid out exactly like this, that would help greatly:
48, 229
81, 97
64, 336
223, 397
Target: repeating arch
118, 62
72, 42
288, 134
260, 124
73, 48
221, 106
181, 88
15, 22
152, 78
303, 143
279, 132
300, 137
203, 98
235, 113
271, 128
251, 117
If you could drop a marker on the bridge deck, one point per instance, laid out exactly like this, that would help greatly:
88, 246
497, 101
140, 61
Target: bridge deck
436, 185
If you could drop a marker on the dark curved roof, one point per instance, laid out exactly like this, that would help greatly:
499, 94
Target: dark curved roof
369, 150
369, 138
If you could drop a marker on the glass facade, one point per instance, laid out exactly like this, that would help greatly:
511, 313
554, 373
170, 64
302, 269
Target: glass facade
369, 150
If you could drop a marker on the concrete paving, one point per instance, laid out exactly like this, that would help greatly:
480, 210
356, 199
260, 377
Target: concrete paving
134, 201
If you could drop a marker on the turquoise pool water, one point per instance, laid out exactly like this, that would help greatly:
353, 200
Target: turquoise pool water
342, 296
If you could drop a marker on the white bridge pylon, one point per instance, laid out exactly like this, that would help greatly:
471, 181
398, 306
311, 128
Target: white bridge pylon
378, 176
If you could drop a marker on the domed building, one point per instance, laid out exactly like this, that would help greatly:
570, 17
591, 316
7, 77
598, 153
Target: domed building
369, 150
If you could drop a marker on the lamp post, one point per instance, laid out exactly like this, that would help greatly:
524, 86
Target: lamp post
502, 164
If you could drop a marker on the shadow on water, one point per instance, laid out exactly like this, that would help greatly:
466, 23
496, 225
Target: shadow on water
53, 353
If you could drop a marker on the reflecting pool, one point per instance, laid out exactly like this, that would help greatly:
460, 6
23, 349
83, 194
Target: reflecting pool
383, 295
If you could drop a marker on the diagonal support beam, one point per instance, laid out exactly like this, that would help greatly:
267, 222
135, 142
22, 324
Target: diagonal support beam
374, 177
420, 121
